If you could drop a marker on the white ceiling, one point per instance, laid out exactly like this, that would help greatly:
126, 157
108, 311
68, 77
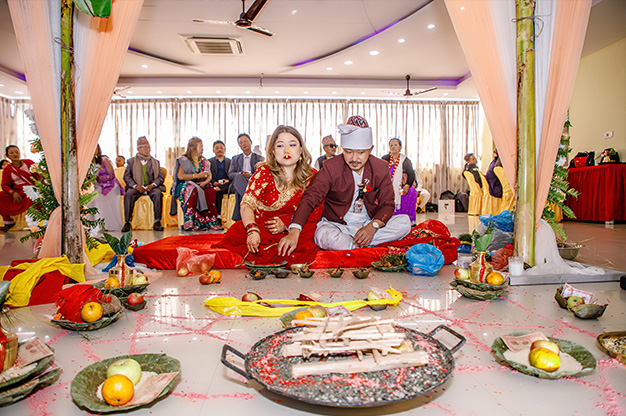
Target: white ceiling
160, 64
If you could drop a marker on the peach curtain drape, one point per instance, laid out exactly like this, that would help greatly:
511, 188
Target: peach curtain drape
484, 31
100, 45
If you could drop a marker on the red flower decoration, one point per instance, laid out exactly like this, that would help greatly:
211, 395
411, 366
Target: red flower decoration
368, 188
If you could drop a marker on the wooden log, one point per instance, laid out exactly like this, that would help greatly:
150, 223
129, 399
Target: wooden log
290, 350
367, 364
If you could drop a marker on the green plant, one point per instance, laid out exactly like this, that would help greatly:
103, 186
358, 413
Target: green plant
46, 202
119, 246
559, 187
481, 242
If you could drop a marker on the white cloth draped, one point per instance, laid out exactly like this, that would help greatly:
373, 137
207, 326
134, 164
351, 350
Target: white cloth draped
99, 48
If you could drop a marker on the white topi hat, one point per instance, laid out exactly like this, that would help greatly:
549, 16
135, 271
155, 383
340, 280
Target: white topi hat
356, 134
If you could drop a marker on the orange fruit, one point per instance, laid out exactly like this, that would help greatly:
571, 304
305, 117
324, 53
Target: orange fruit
495, 279
544, 359
117, 390
216, 275
302, 315
91, 312
111, 283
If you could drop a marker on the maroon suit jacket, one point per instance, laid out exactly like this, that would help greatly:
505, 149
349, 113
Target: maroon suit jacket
334, 184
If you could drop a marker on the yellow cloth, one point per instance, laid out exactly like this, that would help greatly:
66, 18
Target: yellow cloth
100, 254
22, 285
235, 307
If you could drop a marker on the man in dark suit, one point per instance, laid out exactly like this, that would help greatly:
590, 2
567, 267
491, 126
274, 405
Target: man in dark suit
220, 165
143, 176
241, 168
357, 194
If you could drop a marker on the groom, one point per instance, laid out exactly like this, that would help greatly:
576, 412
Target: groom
357, 194
143, 176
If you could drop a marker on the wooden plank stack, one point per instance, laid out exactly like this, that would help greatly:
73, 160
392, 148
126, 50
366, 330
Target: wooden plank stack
375, 342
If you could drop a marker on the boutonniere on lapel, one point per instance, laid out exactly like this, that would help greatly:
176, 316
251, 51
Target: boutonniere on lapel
366, 186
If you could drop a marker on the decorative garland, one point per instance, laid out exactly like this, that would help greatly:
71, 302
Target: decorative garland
395, 164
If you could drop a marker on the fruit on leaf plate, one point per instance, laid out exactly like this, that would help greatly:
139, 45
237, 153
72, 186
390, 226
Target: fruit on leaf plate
582, 311
579, 353
88, 326
544, 359
84, 388
121, 292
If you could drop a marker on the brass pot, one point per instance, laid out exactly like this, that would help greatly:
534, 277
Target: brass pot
8, 349
121, 271
480, 268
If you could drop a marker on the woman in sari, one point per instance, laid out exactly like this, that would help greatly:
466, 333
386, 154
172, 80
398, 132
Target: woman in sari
273, 193
402, 178
108, 192
15, 176
192, 188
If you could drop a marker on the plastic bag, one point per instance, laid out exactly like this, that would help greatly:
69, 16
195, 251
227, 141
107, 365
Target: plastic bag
504, 221
189, 262
424, 260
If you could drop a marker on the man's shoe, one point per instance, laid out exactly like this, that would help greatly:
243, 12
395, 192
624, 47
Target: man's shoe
126, 227
157, 226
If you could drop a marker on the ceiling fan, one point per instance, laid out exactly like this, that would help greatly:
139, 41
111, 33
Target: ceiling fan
245, 18
408, 92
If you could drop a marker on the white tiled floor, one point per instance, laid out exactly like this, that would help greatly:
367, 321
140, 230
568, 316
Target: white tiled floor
176, 322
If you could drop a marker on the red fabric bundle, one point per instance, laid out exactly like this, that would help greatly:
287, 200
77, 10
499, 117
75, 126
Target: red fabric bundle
71, 300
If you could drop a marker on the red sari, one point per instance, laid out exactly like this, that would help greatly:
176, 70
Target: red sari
14, 180
268, 202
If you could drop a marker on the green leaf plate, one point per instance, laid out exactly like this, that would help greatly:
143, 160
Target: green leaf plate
121, 292
22, 391
483, 286
378, 265
88, 326
267, 267
477, 294
39, 368
579, 353
84, 388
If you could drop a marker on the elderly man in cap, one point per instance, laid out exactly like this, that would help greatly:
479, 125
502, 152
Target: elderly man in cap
357, 194
143, 176
330, 149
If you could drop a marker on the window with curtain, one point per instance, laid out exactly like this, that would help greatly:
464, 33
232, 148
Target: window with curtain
435, 134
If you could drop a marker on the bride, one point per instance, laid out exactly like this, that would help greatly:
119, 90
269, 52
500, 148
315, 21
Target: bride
273, 193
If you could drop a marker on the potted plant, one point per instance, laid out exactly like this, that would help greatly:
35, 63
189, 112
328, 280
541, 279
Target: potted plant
121, 271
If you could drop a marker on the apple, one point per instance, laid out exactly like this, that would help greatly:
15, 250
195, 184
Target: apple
462, 274
372, 296
574, 301
250, 297
126, 367
318, 311
134, 299
183, 271
544, 359
542, 343
205, 279
139, 279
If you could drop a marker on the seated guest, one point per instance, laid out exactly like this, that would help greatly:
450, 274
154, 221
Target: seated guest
273, 194
330, 149
15, 176
402, 180
108, 191
357, 197
143, 176
192, 187
220, 165
471, 166
241, 168
421, 191
495, 187
120, 161
3, 163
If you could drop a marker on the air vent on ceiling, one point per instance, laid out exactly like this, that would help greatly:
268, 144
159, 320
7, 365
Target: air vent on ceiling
212, 45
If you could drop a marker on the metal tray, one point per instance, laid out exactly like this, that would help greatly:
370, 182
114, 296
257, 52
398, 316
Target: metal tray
265, 365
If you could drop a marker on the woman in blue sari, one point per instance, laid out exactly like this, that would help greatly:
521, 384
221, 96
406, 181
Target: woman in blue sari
192, 188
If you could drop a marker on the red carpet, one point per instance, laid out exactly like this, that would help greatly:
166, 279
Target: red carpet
162, 254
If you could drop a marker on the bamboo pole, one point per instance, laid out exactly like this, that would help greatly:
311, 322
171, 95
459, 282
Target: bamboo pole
525, 207
71, 228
